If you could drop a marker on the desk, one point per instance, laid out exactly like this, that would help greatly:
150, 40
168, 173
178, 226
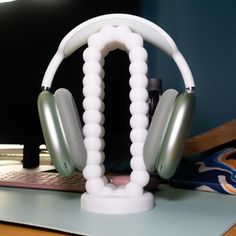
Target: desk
7, 229
176, 212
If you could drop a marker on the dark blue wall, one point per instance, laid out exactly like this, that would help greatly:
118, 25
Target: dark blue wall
205, 33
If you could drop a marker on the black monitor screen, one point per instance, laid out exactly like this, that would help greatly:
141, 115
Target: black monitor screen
31, 31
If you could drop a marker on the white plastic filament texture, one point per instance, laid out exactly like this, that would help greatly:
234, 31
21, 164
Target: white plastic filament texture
102, 196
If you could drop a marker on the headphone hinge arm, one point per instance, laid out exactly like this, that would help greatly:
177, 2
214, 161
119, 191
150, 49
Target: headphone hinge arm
190, 90
45, 88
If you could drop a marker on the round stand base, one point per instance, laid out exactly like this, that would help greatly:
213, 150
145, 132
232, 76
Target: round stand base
117, 204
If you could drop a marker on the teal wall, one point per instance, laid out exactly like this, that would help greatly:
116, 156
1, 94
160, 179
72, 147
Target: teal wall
205, 33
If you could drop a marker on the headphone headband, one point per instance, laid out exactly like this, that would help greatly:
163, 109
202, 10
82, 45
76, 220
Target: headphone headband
148, 30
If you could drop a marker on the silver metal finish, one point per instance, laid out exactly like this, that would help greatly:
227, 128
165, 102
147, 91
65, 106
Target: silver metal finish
44, 88
176, 135
190, 90
53, 133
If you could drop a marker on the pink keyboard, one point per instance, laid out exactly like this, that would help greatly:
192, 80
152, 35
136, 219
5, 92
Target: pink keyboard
55, 181
43, 180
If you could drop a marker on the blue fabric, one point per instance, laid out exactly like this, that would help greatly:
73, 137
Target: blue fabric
216, 173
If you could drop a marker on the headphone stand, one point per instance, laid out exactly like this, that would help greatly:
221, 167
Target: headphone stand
73, 147
102, 196
117, 204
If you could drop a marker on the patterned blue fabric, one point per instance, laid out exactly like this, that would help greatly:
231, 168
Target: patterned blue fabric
215, 173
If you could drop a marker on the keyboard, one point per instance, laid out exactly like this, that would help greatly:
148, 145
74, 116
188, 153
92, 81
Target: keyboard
55, 181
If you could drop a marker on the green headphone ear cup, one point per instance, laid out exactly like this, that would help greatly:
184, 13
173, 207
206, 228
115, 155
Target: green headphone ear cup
176, 135
168, 132
53, 133
157, 129
71, 126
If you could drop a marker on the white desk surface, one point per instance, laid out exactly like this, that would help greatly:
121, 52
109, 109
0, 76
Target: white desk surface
176, 212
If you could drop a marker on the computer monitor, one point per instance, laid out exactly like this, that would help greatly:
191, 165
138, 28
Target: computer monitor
30, 34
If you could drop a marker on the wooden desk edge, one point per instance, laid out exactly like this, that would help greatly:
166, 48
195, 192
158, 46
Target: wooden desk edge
12, 229
231, 231
220, 135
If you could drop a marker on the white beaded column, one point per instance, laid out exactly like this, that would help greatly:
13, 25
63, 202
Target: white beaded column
102, 196
139, 177
93, 118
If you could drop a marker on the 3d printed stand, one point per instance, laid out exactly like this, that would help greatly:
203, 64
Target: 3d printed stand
102, 196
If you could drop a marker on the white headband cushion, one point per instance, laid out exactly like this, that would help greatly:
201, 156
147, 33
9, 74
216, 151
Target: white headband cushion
148, 30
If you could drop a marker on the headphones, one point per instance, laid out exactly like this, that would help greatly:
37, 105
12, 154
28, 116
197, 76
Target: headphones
72, 146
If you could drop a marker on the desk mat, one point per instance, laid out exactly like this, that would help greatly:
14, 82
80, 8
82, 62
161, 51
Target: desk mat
176, 212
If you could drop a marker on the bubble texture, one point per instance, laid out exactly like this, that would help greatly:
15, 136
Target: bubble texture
99, 45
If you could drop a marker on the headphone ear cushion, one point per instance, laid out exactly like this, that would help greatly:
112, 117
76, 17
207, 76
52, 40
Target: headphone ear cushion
61, 129
157, 128
71, 126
